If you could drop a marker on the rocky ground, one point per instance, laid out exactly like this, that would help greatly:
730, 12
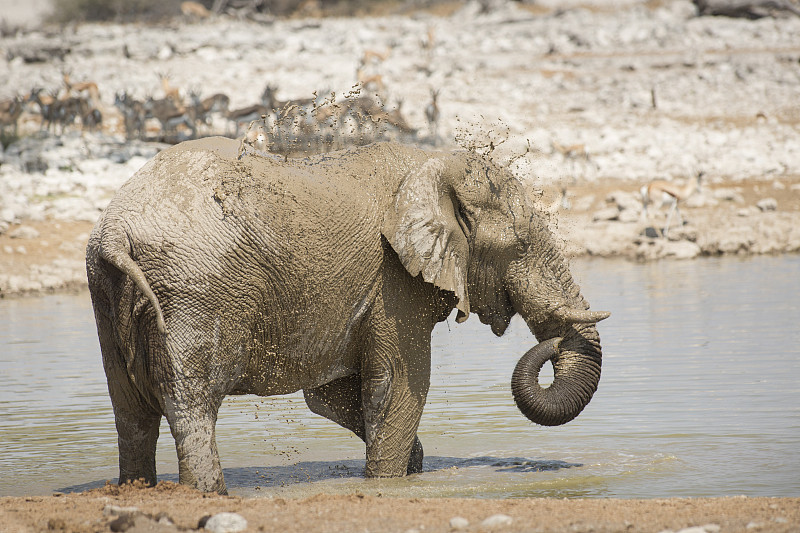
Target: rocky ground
598, 100
169, 508
588, 103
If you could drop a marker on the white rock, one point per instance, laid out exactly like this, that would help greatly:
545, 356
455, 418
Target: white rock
708, 528
119, 511
728, 194
458, 523
226, 523
629, 215
608, 213
165, 53
767, 204
497, 520
682, 249
24, 232
625, 200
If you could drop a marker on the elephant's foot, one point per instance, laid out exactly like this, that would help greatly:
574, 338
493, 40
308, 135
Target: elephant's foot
194, 473
137, 437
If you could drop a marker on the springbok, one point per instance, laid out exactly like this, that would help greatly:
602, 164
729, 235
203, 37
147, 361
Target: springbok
432, 115
10, 111
670, 193
192, 9
171, 92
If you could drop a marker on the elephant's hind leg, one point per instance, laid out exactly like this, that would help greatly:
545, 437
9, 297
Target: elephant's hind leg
340, 401
192, 428
417, 454
136, 421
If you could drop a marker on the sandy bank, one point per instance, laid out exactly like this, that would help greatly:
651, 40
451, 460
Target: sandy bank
180, 508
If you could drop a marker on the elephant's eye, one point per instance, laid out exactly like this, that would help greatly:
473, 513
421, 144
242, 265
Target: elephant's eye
463, 219
522, 247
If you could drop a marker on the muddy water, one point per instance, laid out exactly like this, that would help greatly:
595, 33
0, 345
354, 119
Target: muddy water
700, 396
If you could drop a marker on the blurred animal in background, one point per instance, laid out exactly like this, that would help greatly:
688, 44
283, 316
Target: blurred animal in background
194, 10
171, 92
133, 114
432, 116
171, 116
10, 111
669, 192
48, 107
577, 157
202, 110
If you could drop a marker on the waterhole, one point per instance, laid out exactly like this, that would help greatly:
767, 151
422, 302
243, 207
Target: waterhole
699, 396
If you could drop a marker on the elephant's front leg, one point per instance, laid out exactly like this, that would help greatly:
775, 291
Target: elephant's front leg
395, 382
340, 401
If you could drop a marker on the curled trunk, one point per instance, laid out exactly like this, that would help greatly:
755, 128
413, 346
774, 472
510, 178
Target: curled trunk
576, 365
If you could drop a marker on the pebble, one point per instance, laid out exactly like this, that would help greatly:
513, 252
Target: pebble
767, 204
119, 511
141, 523
708, 528
122, 523
458, 523
226, 523
608, 213
497, 520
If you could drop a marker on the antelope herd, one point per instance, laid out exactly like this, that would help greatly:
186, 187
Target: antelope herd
319, 123
75, 102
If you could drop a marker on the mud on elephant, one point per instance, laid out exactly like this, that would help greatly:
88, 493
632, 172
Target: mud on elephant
213, 275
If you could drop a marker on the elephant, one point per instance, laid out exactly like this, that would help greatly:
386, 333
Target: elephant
214, 272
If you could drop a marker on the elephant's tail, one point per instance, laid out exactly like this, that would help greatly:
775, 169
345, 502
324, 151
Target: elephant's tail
114, 248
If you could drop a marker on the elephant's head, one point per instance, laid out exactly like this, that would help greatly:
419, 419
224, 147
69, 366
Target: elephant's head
468, 226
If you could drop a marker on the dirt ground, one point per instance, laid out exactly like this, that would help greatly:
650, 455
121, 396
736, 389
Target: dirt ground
171, 507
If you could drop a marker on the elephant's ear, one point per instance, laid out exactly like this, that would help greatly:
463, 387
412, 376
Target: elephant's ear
423, 228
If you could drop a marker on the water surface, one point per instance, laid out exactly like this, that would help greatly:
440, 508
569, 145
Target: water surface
700, 396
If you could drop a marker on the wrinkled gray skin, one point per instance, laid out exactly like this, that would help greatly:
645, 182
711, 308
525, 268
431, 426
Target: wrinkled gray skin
213, 276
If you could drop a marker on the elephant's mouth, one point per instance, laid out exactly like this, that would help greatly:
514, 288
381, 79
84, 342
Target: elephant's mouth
497, 321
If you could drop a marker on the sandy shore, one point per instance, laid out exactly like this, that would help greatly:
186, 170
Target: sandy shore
170, 507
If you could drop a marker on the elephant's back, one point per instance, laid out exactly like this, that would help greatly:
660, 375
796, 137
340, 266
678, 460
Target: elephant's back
178, 175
